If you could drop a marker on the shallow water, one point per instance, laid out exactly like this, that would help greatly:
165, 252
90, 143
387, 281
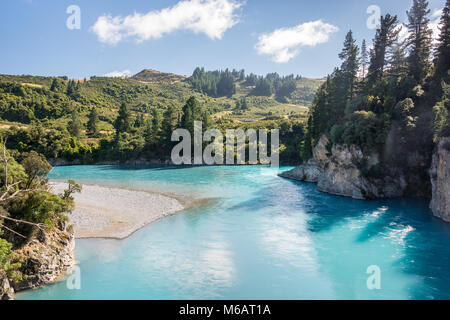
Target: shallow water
263, 238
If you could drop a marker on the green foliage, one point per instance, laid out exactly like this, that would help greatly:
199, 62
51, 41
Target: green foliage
419, 40
73, 188
213, 83
350, 64
75, 126
365, 129
123, 123
92, 125
442, 54
442, 113
7, 267
385, 37
40, 207
36, 168
192, 111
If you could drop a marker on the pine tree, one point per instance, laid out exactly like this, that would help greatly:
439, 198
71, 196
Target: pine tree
169, 123
191, 112
123, 122
156, 126
443, 49
350, 64
364, 58
54, 86
75, 125
398, 64
419, 40
92, 125
139, 122
385, 37
148, 133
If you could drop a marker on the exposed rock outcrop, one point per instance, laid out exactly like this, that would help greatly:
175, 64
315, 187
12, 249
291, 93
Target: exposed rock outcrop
440, 180
6, 291
308, 172
345, 171
45, 258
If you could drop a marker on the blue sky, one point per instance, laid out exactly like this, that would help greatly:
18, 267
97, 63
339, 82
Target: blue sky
260, 36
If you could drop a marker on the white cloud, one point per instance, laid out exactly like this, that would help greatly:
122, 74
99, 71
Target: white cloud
118, 74
285, 43
211, 17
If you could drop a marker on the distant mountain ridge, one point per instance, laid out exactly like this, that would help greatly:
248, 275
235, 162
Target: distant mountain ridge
154, 76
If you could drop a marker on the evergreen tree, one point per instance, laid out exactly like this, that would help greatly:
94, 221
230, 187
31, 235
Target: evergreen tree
92, 125
350, 64
139, 122
243, 104
169, 124
398, 64
364, 58
156, 126
443, 49
148, 133
123, 122
191, 112
263, 87
419, 40
74, 126
206, 121
385, 37
55, 85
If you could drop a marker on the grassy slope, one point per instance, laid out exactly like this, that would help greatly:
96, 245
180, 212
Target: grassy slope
151, 89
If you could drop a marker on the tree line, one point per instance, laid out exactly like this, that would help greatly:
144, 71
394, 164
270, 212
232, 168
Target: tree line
392, 99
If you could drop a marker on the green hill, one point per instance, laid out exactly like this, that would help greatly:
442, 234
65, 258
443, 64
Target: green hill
50, 102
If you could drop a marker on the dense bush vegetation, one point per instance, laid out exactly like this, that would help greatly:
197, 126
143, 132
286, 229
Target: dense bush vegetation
401, 105
26, 205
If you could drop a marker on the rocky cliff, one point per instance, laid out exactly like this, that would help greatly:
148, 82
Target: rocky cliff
6, 291
440, 180
346, 171
45, 258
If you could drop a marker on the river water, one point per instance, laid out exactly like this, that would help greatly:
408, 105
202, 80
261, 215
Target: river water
263, 237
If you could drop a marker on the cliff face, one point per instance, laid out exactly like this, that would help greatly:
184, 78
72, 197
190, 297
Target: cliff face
440, 180
6, 291
43, 260
339, 171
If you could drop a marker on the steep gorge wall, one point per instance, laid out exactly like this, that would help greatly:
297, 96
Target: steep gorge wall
440, 180
340, 171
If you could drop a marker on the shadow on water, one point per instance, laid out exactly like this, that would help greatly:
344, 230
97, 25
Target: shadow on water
327, 210
425, 243
427, 250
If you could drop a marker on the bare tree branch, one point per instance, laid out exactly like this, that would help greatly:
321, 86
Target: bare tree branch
41, 226
10, 230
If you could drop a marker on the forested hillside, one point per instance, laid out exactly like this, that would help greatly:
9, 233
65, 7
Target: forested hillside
398, 108
78, 119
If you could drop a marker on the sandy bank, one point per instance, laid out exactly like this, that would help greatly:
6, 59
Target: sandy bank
109, 212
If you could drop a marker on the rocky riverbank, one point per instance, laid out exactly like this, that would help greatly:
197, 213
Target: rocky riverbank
342, 170
45, 258
346, 171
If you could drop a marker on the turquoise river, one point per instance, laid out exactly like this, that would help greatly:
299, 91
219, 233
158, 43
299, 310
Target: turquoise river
263, 237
